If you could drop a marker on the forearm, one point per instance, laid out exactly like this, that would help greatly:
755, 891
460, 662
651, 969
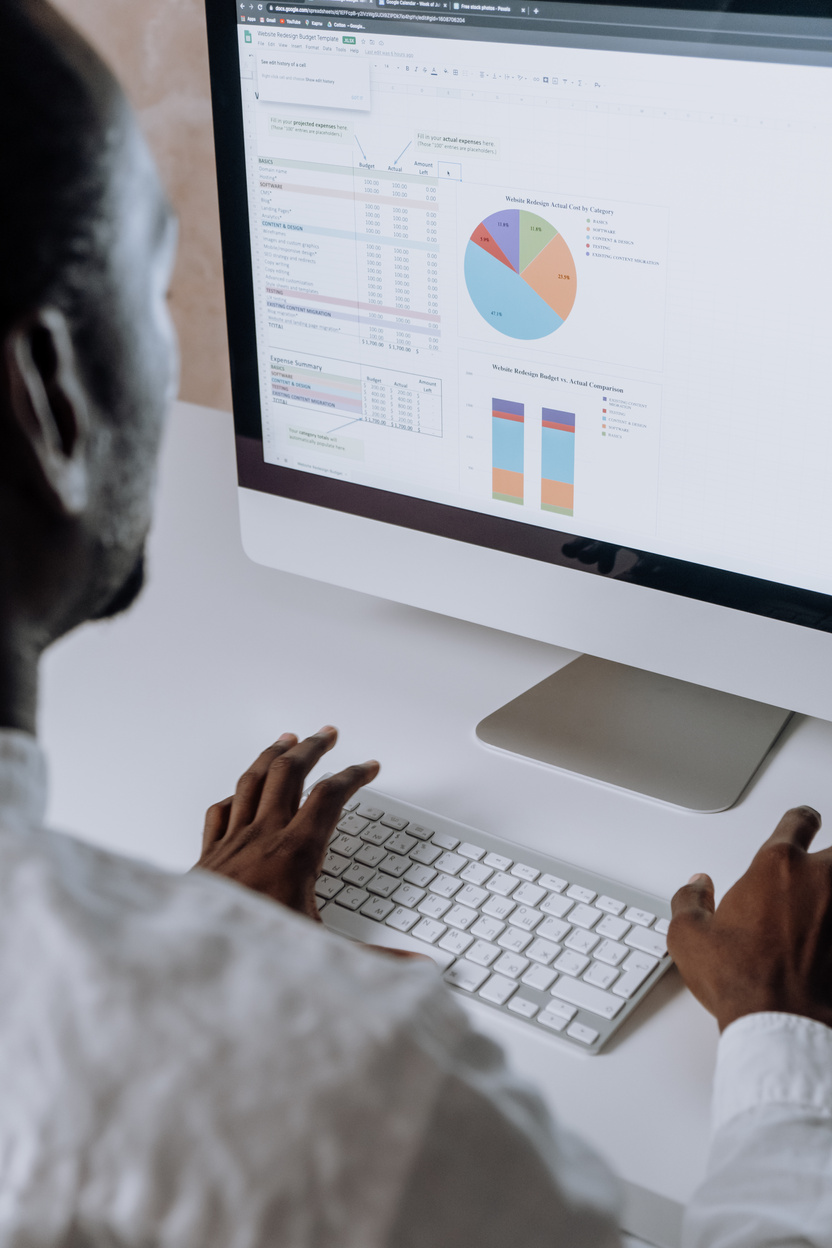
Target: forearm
769, 1179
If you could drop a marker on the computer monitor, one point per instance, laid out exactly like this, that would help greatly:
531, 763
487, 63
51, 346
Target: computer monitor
530, 324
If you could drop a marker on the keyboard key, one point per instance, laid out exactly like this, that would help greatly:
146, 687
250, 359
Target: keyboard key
647, 942
468, 895
578, 893
584, 916
511, 964
420, 876
370, 855
601, 976
445, 885
456, 942
524, 872
635, 970
612, 928
523, 1006
661, 926
611, 952
528, 894
571, 963
539, 977
357, 926
394, 864
526, 918
402, 919
368, 812
542, 951
554, 1018
434, 907
557, 906
483, 953
407, 895
346, 845
498, 907
475, 873
581, 940
474, 852
579, 992
578, 1031
420, 831
451, 864
514, 938
400, 843
643, 917
498, 989
348, 806
553, 929
610, 905
429, 930
460, 916
375, 834
393, 821
466, 975
357, 874
487, 928
497, 862
382, 885
444, 841
501, 883
352, 898
326, 886
426, 854
552, 883
335, 864
377, 908
352, 824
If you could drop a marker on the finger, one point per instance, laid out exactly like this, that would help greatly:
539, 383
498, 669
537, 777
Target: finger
323, 807
250, 785
799, 826
692, 907
286, 777
216, 822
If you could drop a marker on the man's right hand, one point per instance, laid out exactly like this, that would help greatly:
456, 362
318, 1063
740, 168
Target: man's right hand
768, 945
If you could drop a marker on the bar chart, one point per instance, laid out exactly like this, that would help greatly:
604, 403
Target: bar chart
507, 447
557, 461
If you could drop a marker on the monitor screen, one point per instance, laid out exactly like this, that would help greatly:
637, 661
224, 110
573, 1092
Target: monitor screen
548, 278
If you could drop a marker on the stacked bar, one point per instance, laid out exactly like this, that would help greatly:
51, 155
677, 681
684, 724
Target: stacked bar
557, 468
507, 451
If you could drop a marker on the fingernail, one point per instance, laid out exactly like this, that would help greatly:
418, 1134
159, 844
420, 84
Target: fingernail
286, 736
327, 730
694, 879
372, 762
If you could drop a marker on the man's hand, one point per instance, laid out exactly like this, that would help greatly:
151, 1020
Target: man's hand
262, 837
768, 946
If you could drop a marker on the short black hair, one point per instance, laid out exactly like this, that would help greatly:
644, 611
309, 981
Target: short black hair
56, 139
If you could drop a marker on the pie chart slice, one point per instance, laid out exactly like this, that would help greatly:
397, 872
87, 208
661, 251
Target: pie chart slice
520, 274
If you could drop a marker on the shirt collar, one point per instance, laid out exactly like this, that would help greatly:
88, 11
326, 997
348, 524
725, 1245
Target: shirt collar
22, 780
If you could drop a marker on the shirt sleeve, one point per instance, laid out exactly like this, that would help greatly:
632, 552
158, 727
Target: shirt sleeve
769, 1176
493, 1169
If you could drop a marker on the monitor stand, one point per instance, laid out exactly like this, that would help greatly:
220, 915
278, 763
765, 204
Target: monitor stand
662, 738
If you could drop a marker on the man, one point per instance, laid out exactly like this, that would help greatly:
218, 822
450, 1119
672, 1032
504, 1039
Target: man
182, 1060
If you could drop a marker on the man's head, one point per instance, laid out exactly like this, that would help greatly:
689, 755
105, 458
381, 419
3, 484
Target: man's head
87, 350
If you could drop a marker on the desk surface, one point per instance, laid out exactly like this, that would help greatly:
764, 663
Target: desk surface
150, 718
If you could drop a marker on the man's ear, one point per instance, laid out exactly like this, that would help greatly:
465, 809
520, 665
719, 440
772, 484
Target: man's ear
49, 407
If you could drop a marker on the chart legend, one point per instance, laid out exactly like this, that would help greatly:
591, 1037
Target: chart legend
507, 430
557, 463
520, 274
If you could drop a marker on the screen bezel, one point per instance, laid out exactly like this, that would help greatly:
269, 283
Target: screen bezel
700, 582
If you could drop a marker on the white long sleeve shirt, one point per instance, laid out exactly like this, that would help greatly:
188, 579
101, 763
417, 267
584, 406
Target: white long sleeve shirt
185, 1063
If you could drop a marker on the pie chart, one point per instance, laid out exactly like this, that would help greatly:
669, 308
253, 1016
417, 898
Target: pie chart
520, 274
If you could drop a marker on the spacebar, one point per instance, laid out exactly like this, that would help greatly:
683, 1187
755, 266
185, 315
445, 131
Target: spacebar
357, 927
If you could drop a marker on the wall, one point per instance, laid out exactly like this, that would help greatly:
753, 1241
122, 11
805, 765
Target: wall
158, 50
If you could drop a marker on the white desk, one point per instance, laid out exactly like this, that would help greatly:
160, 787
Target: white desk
149, 719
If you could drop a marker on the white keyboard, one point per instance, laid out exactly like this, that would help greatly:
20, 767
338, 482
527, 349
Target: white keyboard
569, 953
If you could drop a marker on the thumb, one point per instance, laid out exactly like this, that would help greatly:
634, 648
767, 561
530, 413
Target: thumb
692, 908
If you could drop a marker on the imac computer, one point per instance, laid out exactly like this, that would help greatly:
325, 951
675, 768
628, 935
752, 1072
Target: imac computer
530, 324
